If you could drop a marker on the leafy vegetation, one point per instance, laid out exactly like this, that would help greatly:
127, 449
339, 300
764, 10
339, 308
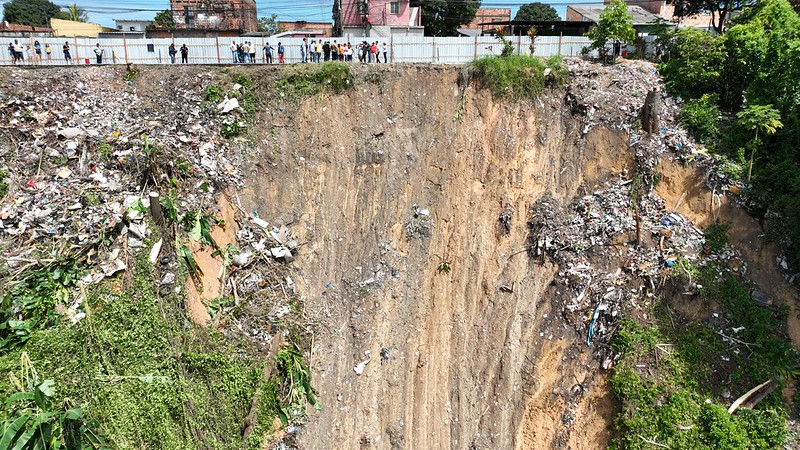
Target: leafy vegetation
36, 13
615, 25
163, 20
32, 303
134, 368
130, 73
716, 236
304, 80
444, 17
214, 94
536, 11
3, 184
675, 376
33, 421
701, 118
294, 378
516, 77
750, 73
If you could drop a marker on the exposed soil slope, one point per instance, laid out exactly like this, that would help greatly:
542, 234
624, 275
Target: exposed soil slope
454, 358
410, 195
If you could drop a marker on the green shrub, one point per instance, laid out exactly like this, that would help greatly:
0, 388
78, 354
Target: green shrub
3, 184
696, 58
308, 79
514, 77
558, 69
716, 236
214, 94
701, 118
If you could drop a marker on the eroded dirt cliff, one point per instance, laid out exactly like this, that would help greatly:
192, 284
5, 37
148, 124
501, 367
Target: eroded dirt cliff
443, 315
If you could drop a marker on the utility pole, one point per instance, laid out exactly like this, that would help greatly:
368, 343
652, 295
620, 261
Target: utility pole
337, 17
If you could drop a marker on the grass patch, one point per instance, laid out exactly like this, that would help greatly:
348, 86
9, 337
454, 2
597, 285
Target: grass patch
676, 377
148, 379
716, 236
516, 77
303, 80
663, 402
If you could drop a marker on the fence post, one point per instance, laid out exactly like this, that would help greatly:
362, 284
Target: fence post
519, 45
560, 37
433, 49
219, 60
125, 47
475, 49
77, 56
391, 46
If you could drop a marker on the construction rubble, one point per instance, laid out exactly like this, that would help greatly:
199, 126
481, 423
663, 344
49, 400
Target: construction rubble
84, 159
614, 245
83, 156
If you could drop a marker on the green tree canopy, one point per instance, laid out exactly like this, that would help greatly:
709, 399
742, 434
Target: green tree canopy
719, 9
443, 17
164, 19
36, 13
77, 14
615, 24
536, 11
269, 24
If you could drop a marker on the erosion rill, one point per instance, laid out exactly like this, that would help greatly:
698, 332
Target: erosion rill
450, 261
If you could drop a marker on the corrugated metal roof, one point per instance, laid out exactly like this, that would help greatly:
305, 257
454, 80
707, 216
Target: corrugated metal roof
640, 15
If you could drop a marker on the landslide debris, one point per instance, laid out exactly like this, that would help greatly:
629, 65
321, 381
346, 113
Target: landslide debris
452, 269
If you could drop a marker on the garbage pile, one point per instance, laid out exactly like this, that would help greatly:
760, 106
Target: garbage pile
84, 150
613, 245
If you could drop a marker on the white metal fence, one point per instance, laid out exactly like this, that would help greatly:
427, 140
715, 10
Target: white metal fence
447, 50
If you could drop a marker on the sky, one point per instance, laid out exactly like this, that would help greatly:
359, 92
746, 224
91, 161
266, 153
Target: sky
104, 12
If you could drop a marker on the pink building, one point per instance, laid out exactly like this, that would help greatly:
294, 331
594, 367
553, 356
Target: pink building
380, 18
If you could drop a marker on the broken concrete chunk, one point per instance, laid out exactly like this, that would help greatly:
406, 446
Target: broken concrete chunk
260, 222
153, 257
70, 133
359, 368
228, 105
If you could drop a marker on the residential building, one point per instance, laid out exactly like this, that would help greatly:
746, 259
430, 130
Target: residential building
14, 29
70, 28
237, 15
377, 18
483, 19
132, 25
643, 20
667, 11
305, 29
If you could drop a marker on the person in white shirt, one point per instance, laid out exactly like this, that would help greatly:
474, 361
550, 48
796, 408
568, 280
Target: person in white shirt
385, 51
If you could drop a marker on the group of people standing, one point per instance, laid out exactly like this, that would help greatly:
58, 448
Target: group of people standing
243, 52
19, 52
184, 53
317, 51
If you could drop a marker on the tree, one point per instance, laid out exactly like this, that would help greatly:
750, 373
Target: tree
443, 17
615, 24
77, 14
164, 19
719, 9
536, 11
36, 13
269, 25
763, 118
696, 60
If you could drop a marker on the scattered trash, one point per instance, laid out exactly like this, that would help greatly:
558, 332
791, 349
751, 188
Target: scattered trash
228, 105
